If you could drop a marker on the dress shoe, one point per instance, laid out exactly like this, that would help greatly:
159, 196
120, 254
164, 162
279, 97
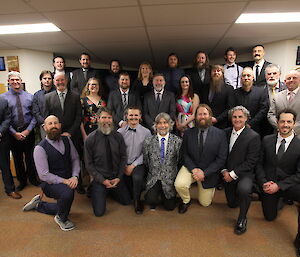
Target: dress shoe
183, 207
288, 201
152, 207
32, 204
297, 245
35, 183
21, 187
14, 195
240, 227
138, 207
80, 190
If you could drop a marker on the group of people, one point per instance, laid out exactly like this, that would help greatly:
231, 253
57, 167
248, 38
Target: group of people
158, 136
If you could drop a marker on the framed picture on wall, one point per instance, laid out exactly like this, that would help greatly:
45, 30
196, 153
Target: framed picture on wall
13, 63
2, 64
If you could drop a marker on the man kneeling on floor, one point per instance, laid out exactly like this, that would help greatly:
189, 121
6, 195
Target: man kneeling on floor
57, 164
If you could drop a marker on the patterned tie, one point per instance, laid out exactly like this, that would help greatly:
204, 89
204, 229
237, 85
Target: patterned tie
21, 121
292, 95
162, 149
281, 149
124, 100
62, 99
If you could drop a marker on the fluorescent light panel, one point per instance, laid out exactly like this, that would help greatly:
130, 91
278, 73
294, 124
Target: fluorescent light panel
269, 17
28, 28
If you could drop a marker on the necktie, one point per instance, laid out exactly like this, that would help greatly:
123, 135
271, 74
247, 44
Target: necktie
162, 149
231, 66
281, 149
200, 140
131, 129
273, 91
202, 75
124, 99
158, 98
292, 95
256, 72
108, 153
62, 100
85, 74
21, 120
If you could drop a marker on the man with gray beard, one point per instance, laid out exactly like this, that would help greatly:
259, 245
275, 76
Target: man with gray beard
218, 97
105, 160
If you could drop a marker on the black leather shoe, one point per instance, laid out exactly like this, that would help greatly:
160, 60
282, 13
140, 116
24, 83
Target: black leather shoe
20, 187
240, 227
297, 245
183, 207
138, 207
80, 190
288, 201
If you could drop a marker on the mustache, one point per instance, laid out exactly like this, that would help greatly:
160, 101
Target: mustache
256, 55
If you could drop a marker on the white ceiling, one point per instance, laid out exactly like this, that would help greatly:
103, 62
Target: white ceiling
138, 30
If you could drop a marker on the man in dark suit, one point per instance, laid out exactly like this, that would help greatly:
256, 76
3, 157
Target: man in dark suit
5, 117
278, 171
122, 98
200, 75
157, 101
204, 155
111, 80
255, 99
65, 105
244, 149
259, 65
82, 75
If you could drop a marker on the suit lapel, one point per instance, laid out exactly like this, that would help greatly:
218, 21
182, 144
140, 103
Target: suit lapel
239, 139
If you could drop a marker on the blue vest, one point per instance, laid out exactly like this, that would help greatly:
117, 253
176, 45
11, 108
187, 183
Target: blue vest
59, 164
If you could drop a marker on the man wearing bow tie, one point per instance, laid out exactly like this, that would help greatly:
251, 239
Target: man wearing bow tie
232, 71
134, 135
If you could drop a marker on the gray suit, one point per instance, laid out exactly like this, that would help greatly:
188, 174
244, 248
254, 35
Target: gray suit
279, 103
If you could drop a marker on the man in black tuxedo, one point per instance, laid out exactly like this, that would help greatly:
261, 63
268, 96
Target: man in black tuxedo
278, 170
157, 101
121, 99
244, 149
200, 75
82, 75
259, 65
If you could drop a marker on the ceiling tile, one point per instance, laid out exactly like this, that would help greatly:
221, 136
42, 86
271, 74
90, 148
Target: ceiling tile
14, 6
273, 6
22, 19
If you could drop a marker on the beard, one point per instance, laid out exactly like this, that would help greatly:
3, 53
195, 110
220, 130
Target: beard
54, 134
203, 123
272, 82
247, 84
106, 130
216, 84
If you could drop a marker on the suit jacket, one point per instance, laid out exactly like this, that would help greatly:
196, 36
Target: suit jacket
5, 117
286, 171
256, 101
244, 155
220, 106
213, 157
280, 103
70, 117
261, 80
165, 170
151, 108
78, 81
115, 104
201, 88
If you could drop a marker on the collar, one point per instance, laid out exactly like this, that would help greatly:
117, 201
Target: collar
159, 92
295, 91
130, 128
287, 139
16, 93
260, 64
126, 92
65, 91
229, 66
166, 137
237, 132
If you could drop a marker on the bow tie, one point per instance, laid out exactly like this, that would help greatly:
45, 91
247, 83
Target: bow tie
132, 129
232, 66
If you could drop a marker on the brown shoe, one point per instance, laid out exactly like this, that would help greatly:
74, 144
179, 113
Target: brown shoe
15, 195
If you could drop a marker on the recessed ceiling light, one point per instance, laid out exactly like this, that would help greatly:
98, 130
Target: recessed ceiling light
268, 17
28, 28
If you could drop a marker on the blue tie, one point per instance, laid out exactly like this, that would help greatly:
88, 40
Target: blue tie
162, 149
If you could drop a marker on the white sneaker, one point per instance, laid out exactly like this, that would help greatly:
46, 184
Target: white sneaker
65, 226
32, 204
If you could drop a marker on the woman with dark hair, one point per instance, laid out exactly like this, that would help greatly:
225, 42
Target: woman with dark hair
143, 83
91, 101
186, 104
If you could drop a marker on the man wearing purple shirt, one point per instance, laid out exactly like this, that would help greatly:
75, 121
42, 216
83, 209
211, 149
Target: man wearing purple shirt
21, 130
57, 164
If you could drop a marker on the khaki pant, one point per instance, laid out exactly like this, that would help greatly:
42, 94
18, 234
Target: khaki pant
183, 183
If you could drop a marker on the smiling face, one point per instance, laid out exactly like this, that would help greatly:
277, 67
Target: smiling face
46, 81
230, 57
15, 83
162, 127
292, 80
203, 118
85, 61
238, 119
272, 76
60, 82
159, 83
247, 78
286, 124
201, 59
124, 82
115, 67
105, 123
93, 86
133, 117
59, 64
258, 53
184, 83
173, 61
52, 127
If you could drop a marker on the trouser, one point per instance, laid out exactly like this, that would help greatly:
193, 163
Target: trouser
270, 202
238, 193
4, 165
64, 196
183, 183
99, 193
136, 182
155, 196
21, 149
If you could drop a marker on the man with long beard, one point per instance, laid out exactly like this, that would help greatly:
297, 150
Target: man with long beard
58, 167
204, 155
218, 97
105, 160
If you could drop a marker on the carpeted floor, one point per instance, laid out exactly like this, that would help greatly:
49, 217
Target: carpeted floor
206, 232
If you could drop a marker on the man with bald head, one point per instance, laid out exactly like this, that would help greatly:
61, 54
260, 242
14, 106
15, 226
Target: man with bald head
289, 98
58, 167
253, 98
